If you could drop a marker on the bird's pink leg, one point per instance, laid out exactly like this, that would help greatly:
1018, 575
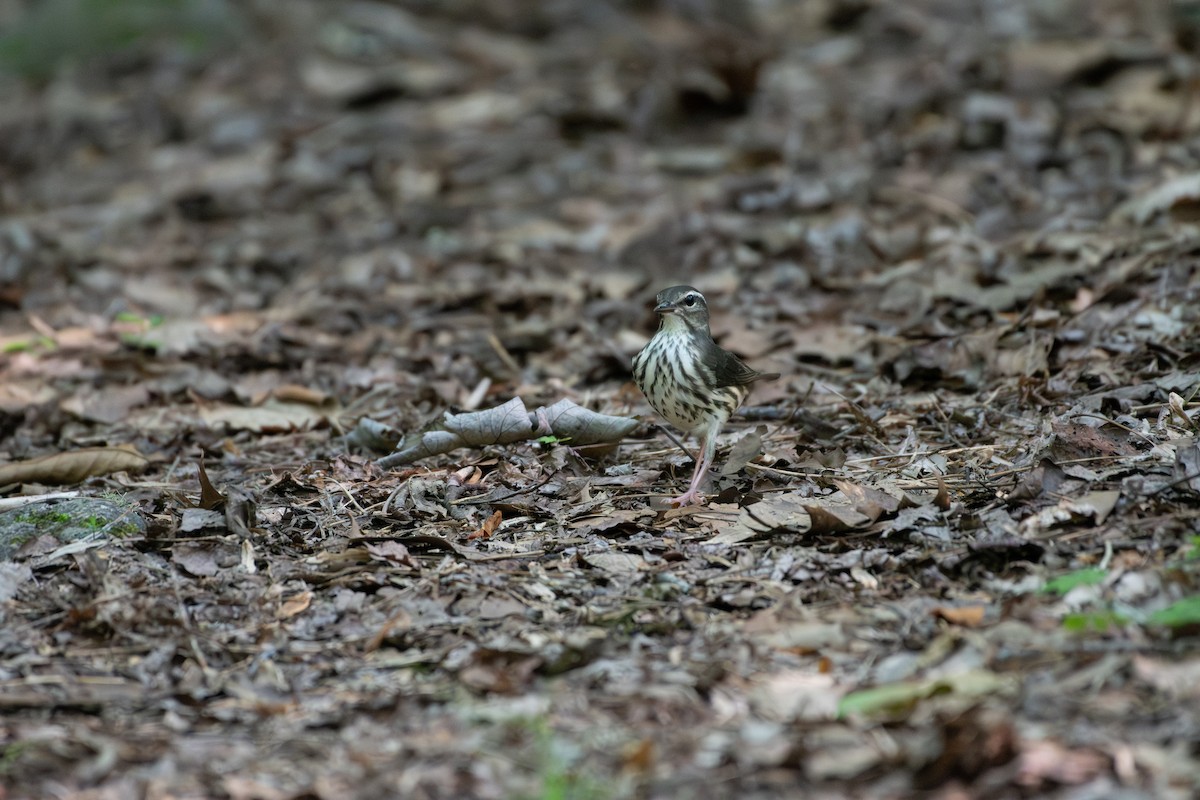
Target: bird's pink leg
708, 447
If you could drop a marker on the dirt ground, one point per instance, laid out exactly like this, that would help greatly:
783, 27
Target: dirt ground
247, 250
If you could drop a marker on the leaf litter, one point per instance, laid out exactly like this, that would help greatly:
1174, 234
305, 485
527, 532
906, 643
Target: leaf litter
953, 551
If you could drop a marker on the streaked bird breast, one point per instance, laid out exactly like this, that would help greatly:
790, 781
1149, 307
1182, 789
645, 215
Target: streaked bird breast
679, 386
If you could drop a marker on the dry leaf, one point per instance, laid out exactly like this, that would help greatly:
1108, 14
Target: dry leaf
391, 552
835, 519
967, 616
74, 466
489, 526
508, 423
618, 563
638, 757
871, 502
210, 498
296, 604
293, 393
273, 416
200, 559
108, 405
579, 426
744, 450
942, 498
16, 396
12, 577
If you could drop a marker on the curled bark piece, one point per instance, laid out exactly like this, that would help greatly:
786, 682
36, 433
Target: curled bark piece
581, 426
507, 423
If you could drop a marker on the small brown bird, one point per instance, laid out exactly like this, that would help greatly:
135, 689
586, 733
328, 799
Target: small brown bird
689, 380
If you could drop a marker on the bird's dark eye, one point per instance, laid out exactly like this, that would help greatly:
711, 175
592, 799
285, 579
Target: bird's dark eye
690, 300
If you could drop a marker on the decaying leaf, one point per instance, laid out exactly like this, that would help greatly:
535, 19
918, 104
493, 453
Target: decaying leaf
579, 426
618, 563
796, 695
901, 697
780, 512
273, 416
391, 552
296, 604
74, 466
195, 520
834, 518
1165, 198
967, 616
871, 502
744, 450
1093, 506
106, 405
1187, 468
12, 577
16, 396
241, 513
198, 558
508, 423
210, 498
373, 436
489, 526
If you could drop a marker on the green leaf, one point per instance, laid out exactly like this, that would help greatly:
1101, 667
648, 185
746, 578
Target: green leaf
899, 697
1180, 613
152, 321
1193, 553
889, 698
22, 345
1093, 621
1083, 577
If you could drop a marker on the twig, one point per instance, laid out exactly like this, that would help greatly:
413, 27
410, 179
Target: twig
17, 502
670, 435
482, 501
1125, 428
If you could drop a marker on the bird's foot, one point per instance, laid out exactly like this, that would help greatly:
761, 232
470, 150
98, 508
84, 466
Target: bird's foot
692, 497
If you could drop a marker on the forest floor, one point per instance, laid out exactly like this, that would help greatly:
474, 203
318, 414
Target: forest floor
953, 552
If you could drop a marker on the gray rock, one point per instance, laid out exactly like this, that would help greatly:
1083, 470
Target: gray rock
66, 520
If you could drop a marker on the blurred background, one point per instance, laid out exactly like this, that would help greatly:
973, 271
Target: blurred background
429, 173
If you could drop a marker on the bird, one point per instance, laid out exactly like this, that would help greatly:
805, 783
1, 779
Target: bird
689, 379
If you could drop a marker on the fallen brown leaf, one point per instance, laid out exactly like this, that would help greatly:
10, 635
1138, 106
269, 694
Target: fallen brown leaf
967, 616
489, 526
296, 604
74, 466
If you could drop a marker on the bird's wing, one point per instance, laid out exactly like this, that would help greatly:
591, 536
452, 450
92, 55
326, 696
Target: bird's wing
729, 370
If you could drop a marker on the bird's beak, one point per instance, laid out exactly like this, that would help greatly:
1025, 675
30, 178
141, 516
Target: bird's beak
665, 308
